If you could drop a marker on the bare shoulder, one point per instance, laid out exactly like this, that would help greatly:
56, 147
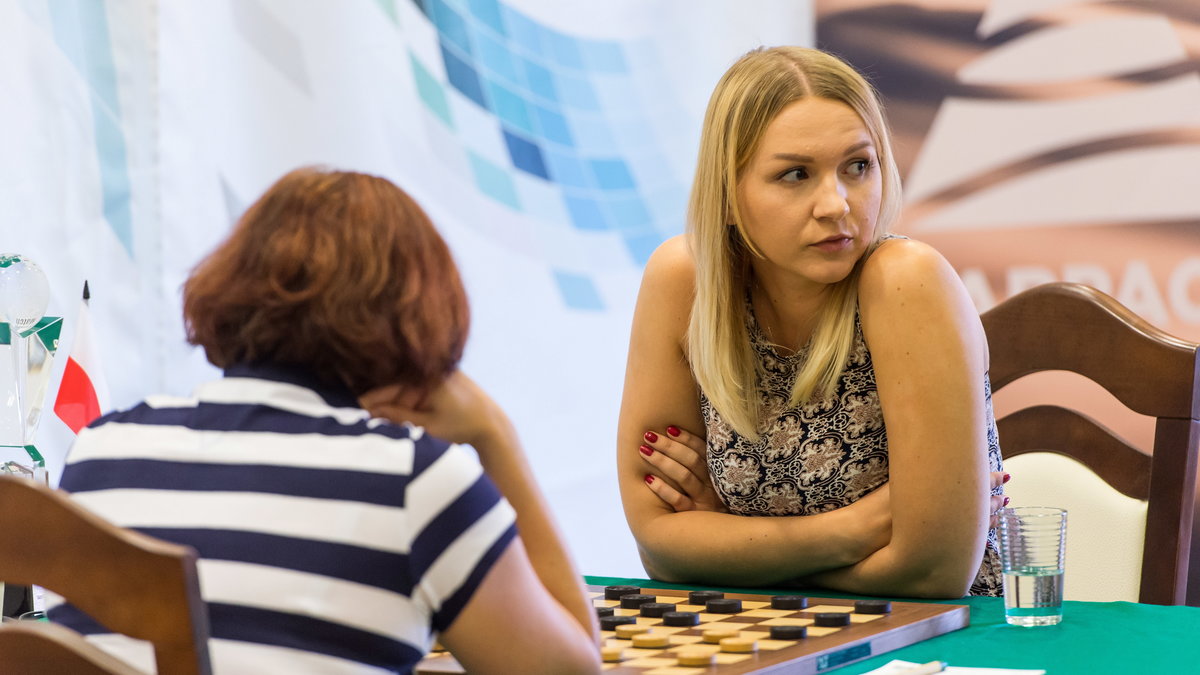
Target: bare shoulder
905, 264
908, 283
910, 271
673, 258
671, 271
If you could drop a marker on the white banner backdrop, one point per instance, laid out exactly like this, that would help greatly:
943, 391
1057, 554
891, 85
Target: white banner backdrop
552, 143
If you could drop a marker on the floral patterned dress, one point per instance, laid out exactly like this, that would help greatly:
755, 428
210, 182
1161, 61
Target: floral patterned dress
818, 456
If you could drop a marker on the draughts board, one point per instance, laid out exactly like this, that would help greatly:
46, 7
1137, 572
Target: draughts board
822, 650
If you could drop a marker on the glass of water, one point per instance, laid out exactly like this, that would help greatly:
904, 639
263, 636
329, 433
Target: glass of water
1033, 544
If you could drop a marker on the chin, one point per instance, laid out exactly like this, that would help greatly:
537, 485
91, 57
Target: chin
827, 276
833, 271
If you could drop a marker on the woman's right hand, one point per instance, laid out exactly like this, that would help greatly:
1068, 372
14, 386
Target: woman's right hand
678, 470
998, 500
458, 410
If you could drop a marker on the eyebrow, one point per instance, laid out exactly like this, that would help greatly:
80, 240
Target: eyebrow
808, 159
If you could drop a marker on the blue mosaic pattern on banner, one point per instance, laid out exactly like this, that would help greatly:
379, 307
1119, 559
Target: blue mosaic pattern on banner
451, 26
552, 125
567, 169
431, 92
488, 11
578, 291
463, 77
546, 91
585, 213
389, 8
496, 58
630, 213
81, 32
541, 81
526, 155
510, 108
603, 57
493, 181
611, 174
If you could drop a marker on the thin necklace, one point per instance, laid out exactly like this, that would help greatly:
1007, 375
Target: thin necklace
761, 318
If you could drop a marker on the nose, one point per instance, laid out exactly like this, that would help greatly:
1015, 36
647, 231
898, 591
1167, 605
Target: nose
831, 203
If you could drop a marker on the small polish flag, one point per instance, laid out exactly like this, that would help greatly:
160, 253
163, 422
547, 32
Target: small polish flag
83, 393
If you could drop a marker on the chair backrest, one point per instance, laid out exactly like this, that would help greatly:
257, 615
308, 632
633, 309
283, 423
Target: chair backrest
1071, 327
29, 647
131, 583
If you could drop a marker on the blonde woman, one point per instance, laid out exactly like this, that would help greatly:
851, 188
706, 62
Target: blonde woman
789, 358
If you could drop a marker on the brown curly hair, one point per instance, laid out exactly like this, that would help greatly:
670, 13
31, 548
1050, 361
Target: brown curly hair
339, 273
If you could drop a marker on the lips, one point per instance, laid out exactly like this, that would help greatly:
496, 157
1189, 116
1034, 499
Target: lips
834, 244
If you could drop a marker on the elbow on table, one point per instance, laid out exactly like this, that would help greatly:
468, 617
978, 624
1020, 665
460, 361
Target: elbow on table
941, 587
661, 570
942, 579
674, 568
657, 538
942, 567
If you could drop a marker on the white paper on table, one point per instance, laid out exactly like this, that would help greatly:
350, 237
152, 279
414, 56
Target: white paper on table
898, 667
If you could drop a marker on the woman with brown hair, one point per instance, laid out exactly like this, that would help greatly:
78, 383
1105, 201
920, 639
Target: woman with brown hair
791, 359
332, 540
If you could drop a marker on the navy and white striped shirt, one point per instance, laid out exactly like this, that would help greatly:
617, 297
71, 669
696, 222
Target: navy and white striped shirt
329, 541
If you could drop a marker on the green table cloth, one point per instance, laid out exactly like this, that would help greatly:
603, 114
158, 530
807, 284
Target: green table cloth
1094, 637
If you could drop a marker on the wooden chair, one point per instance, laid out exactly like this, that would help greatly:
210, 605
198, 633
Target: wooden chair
33, 647
1071, 327
131, 583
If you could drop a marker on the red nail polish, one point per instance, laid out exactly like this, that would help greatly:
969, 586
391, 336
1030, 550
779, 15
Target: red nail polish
646, 450
674, 431
1007, 477
1006, 501
649, 479
651, 437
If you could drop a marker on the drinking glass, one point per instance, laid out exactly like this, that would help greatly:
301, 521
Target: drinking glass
1032, 552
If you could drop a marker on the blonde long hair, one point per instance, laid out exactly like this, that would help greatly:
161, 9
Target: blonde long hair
749, 96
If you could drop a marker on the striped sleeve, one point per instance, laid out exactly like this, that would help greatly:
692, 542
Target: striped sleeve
461, 525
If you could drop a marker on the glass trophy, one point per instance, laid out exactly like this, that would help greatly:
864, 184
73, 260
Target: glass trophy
28, 341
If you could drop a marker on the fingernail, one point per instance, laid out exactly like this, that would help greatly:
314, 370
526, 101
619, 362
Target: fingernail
649, 479
646, 450
674, 431
1006, 501
651, 437
1007, 477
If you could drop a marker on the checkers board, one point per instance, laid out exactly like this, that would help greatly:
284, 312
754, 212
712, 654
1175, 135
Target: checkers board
732, 642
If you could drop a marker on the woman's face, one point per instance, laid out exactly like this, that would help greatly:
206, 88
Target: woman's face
810, 195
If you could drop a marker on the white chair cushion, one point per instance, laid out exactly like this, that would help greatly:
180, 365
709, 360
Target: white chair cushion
1105, 529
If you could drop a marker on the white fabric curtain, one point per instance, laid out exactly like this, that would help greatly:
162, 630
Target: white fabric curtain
552, 143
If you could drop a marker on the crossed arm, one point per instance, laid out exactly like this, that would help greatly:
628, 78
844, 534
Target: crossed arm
704, 545
922, 534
